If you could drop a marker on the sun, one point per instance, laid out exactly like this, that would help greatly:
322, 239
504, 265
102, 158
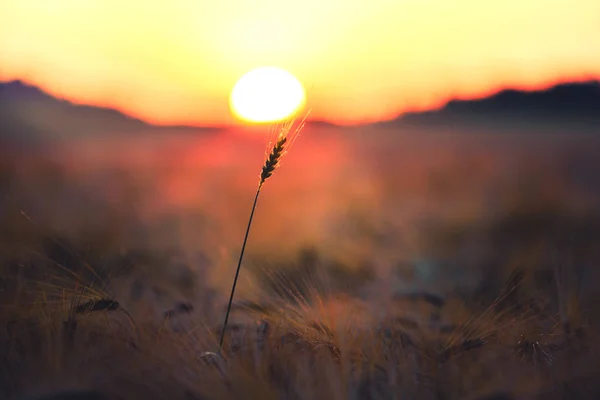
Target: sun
267, 94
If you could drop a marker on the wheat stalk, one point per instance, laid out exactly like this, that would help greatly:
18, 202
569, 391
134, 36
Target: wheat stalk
276, 149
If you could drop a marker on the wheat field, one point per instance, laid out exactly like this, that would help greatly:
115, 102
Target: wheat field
388, 267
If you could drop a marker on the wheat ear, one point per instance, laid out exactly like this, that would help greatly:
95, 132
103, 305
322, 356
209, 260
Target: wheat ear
285, 138
272, 160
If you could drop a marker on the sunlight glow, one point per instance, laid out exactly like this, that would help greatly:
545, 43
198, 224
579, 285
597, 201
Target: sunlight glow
267, 94
175, 62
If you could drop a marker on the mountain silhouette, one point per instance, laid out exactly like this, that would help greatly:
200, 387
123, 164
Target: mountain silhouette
28, 113
29, 107
569, 103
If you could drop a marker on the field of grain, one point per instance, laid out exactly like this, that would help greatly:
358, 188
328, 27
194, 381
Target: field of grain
382, 263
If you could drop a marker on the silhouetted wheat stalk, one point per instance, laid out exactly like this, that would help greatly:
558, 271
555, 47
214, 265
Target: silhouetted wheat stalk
276, 149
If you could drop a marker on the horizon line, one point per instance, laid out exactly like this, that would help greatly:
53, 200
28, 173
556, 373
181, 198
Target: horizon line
250, 125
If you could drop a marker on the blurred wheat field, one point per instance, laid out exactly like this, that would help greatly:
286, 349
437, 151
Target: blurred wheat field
381, 264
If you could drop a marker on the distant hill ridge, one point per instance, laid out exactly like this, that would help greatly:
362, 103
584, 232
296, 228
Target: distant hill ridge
17, 92
568, 102
28, 112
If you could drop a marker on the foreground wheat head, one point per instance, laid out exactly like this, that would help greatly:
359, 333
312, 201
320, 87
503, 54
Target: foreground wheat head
281, 138
278, 146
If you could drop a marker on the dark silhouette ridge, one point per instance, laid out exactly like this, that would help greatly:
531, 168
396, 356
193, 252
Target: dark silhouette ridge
18, 94
27, 112
575, 104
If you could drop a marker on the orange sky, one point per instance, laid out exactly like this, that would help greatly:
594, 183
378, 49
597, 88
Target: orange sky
176, 61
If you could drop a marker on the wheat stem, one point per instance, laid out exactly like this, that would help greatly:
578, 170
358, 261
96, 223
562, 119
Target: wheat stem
237, 272
271, 162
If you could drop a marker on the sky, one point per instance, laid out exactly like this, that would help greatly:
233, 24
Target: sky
176, 61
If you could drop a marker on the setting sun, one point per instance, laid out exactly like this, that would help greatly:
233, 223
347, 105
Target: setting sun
266, 94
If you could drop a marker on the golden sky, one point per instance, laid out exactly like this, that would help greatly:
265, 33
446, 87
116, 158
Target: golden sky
175, 61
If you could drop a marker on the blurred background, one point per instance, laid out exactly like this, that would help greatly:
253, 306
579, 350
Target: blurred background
450, 144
